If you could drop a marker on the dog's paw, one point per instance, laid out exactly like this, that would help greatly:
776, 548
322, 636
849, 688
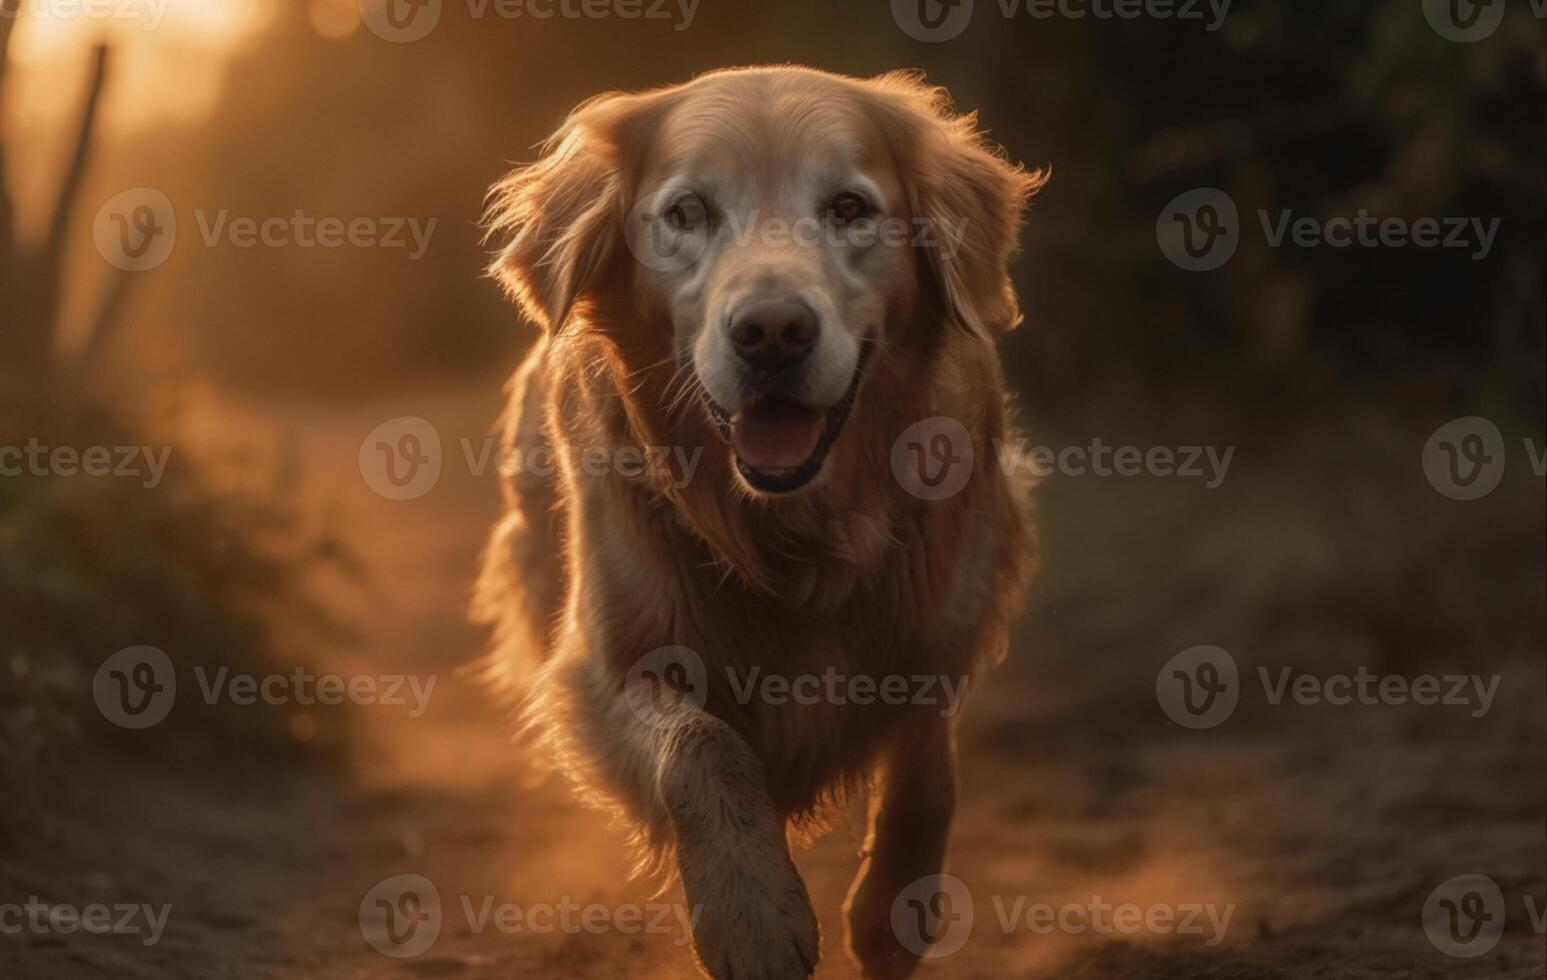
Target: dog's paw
754, 922
872, 938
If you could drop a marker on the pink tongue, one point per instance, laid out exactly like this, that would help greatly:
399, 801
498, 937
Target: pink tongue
777, 434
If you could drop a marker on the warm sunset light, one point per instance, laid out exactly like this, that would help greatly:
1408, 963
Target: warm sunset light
169, 55
800, 490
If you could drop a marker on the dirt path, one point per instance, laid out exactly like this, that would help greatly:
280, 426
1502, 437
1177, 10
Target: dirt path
1320, 832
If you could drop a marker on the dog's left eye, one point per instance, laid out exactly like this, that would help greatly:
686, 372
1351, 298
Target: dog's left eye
687, 213
847, 207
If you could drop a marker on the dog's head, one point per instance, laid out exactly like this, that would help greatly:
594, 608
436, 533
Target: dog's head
770, 235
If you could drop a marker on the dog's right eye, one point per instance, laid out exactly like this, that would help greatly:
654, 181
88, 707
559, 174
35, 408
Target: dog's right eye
687, 213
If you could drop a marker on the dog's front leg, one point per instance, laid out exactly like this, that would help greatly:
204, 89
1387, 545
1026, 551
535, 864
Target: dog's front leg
753, 919
910, 818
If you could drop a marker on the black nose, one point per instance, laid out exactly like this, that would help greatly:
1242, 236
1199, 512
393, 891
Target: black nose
774, 334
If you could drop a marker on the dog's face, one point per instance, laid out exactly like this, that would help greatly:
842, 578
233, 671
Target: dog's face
768, 232
784, 227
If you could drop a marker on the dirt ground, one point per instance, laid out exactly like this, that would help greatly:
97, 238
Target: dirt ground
1322, 830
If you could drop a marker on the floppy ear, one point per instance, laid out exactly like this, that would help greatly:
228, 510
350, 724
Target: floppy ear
561, 217
970, 197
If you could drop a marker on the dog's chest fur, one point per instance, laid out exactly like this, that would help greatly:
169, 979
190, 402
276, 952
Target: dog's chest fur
816, 673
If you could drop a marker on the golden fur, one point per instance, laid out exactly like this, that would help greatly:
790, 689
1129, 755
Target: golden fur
588, 572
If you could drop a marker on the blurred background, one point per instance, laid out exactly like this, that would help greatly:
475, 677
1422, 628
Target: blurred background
261, 370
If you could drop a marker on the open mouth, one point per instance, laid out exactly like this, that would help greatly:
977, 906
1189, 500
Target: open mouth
780, 443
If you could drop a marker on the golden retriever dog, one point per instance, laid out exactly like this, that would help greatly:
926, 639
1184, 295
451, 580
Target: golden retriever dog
735, 577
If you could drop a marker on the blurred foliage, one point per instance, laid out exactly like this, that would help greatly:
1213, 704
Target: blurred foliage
1322, 109
90, 565
1314, 106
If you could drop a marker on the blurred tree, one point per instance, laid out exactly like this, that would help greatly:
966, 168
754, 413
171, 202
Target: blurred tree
31, 274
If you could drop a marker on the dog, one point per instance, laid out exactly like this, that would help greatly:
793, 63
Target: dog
769, 301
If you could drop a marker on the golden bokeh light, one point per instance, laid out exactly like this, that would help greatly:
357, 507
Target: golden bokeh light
334, 19
169, 57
